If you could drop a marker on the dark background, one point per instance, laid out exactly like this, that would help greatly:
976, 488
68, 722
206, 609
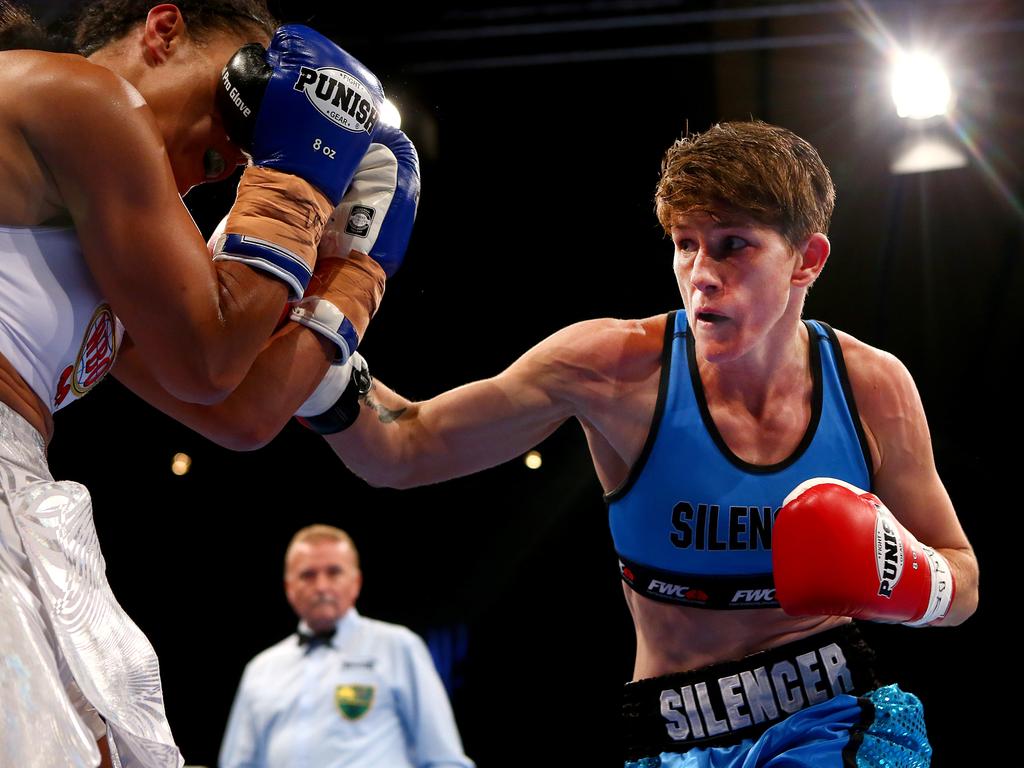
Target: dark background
541, 129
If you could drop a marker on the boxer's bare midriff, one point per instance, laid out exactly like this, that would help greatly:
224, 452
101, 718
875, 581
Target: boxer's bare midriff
676, 638
19, 396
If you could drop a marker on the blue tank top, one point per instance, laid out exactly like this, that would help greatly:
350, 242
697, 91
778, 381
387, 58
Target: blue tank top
692, 524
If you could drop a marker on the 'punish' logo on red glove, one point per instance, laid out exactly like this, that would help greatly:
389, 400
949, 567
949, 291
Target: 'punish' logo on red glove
888, 551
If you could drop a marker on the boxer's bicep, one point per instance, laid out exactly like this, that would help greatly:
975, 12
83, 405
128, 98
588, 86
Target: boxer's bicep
906, 477
112, 172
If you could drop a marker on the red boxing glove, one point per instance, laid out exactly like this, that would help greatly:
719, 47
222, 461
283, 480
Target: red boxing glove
838, 551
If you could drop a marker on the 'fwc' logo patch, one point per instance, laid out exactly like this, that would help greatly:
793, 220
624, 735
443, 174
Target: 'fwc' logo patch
353, 701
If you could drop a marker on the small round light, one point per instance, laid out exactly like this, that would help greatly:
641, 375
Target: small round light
532, 460
181, 463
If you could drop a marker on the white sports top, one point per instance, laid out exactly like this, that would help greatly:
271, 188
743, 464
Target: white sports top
55, 327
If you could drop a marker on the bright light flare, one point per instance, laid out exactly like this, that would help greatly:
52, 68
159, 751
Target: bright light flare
532, 460
181, 463
389, 114
920, 86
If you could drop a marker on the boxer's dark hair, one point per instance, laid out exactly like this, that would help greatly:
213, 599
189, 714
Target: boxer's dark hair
754, 169
18, 30
104, 21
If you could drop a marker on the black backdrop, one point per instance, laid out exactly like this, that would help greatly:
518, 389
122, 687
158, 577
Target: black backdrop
537, 212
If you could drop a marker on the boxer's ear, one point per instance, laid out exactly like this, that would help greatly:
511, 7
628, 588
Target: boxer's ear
813, 254
162, 34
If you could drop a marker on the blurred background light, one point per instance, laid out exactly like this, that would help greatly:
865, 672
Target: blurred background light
181, 463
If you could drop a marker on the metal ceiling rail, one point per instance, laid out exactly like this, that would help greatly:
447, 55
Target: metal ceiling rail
640, 21
763, 43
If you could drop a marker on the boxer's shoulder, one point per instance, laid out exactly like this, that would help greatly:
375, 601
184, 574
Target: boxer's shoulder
65, 103
885, 393
52, 81
874, 373
590, 362
606, 348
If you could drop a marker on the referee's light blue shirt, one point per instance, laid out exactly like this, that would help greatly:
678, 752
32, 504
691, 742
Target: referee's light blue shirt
369, 699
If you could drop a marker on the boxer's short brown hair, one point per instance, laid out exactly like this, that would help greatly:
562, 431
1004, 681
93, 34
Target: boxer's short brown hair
755, 169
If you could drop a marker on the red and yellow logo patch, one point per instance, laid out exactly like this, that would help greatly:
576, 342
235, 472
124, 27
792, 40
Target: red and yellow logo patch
95, 356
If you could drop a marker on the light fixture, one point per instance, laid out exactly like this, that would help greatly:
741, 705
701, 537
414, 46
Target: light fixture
920, 86
532, 460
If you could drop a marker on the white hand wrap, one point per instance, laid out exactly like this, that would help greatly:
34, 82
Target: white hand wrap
329, 390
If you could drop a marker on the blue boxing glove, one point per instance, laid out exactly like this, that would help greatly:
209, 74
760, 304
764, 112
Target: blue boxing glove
306, 112
303, 106
376, 215
364, 242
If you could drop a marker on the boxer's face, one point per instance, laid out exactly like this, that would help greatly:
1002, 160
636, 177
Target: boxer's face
197, 143
322, 581
735, 278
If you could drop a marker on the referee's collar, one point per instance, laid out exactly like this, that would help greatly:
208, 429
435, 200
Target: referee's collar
306, 636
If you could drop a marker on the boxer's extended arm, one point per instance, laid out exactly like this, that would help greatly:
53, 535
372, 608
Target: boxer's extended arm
394, 442
399, 443
199, 326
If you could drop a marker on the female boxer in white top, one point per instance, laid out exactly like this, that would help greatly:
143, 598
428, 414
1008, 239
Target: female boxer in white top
94, 155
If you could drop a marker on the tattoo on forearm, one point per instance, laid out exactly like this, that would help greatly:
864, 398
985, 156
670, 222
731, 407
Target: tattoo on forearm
384, 414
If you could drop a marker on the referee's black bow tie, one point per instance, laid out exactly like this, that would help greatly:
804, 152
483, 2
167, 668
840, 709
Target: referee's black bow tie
313, 639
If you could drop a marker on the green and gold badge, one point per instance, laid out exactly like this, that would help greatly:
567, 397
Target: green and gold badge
353, 701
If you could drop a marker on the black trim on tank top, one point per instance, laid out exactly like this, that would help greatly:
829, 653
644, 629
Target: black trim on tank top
659, 409
851, 403
712, 428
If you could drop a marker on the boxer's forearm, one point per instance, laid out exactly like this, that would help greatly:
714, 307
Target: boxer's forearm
281, 378
401, 444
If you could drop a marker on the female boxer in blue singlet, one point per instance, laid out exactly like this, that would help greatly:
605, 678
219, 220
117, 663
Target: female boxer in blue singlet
699, 425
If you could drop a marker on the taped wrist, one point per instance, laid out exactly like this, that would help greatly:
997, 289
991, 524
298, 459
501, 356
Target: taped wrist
942, 590
275, 225
341, 300
346, 388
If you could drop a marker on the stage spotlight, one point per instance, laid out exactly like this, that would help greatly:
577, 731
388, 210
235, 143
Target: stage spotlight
920, 86
389, 114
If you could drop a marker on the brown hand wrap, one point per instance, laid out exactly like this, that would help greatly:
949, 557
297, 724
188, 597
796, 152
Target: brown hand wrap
355, 285
282, 209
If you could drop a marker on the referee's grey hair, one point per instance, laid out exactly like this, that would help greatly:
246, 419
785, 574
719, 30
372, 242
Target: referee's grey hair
319, 532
